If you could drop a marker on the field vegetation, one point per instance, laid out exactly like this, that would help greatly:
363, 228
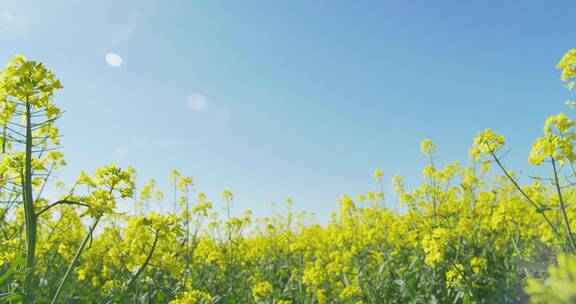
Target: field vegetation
469, 233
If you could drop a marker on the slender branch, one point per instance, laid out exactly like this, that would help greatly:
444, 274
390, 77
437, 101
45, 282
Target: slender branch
75, 260
41, 191
62, 202
513, 181
141, 269
14, 131
564, 215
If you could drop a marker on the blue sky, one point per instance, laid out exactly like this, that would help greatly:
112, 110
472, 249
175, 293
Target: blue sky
300, 99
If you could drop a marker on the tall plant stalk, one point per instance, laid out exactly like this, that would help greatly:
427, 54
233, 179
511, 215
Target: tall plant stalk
563, 207
29, 214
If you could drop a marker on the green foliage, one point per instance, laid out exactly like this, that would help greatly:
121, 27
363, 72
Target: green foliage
559, 287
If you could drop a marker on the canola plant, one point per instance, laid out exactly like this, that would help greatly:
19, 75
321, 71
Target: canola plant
471, 233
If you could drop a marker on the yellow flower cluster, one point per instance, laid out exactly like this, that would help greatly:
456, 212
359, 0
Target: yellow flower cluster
486, 143
261, 290
478, 264
454, 275
568, 65
558, 142
193, 297
108, 184
427, 147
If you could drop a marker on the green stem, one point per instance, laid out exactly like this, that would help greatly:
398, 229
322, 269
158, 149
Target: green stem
513, 181
4, 136
382, 198
29, 214
141, 269
563, 207
61, 202
175, 196
514, 243
75, 260
187, 230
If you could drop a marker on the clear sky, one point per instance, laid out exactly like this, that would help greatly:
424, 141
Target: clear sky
300, 99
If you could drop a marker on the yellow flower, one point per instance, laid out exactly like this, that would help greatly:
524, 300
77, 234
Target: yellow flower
378, 175
486, 143
434, 245
427, 147
349, 292
454, 275
568, 65
261, 290
478, 263
192, 297
558, 124
320, 296
227, 194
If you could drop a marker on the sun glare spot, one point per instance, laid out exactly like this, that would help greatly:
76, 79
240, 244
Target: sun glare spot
114, 60
196, 102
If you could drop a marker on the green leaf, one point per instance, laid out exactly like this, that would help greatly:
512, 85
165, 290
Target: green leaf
467, 299
12, 268
17, 297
